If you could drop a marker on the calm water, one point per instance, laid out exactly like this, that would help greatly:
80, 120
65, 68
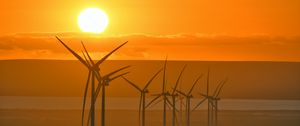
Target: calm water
129, 118
65, 111
119, 103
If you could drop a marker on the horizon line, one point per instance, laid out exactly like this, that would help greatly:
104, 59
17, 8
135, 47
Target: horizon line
176, 60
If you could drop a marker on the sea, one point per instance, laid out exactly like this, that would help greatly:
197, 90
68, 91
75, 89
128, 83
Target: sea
123, 111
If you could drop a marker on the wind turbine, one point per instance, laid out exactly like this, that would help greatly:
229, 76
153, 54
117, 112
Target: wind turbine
216, 98
94, 72
105, 80
198, 105
213, 103
174, 96
188, 97
143, 92
164, 94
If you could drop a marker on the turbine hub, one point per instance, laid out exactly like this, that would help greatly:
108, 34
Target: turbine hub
146, 91
96, 68
105, 81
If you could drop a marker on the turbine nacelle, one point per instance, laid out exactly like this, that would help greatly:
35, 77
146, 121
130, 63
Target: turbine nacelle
217, 99
166, 93
105, 81
145, 91
96, 68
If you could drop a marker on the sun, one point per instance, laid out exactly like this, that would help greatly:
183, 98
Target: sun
92, 20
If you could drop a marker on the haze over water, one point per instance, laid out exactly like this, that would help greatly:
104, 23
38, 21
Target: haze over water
31, 107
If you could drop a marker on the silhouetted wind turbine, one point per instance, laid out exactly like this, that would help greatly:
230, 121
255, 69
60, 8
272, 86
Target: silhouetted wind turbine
143, 92
216, 98
213, 103
105, 80
202, 101
188, 97
94, 73
164, 94
174, 96
198, 104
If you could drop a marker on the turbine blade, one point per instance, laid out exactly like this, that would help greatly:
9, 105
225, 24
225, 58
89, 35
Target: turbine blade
207, 83
149, 82
85, 59
164, 76
140, 106
108, 75
181, 93
220, 89
194, 84
84, 97
169, 102
111, 79
216, 90
89, 118
204, 95
199, 104
97, 74
212, 104
87, 54
99, 86
156, 102
106, 56
132, 84
177, 82
73, 52
156, 94
168, 105
153, 100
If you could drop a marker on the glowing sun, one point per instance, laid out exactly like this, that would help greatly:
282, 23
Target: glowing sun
92, 20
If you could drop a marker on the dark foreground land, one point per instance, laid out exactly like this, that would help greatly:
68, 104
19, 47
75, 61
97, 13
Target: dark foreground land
130, 118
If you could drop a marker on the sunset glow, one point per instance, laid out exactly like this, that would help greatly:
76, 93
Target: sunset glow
92, 20
150, 63
226, 30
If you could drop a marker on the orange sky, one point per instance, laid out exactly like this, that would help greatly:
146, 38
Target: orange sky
273, 24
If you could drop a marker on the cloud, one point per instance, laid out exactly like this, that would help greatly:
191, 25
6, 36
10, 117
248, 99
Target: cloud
153, 47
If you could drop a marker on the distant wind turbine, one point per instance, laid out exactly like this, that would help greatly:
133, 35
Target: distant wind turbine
216, 98
174, 95
164, 94
188, 97
213, 103
143, 92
